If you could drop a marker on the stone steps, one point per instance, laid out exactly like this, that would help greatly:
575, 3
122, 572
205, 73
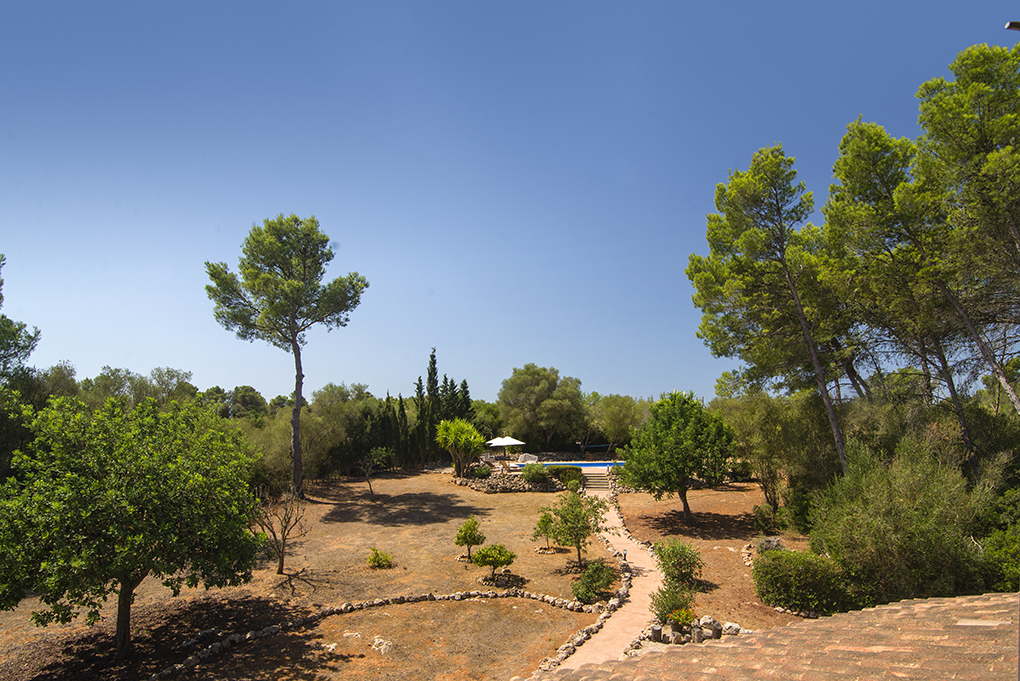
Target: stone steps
596, 481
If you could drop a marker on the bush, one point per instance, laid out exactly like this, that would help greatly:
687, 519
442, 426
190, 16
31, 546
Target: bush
679, 562
380, 559
669, 599
902, 529
596, 580
535, 473
494, 556
764, 518
567, 474
1002, 553
741, 470
801, 581
482, 471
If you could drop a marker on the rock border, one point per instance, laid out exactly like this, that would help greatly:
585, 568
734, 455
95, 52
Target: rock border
224, 641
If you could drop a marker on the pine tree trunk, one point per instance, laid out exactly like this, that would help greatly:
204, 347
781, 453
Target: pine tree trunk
295, 423
979, 340
816, 363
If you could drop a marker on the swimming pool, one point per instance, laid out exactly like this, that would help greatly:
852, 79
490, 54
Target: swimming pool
584, 464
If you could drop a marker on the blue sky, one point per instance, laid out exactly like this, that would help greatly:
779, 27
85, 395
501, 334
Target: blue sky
519, 182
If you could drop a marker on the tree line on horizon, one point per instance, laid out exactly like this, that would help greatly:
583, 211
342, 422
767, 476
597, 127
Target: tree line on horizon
341, 423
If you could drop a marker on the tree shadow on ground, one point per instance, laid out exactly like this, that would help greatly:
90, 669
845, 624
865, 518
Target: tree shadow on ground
160, 634
705, 525
421, 508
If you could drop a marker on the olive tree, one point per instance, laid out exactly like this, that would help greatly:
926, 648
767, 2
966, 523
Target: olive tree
280, 295
576, 519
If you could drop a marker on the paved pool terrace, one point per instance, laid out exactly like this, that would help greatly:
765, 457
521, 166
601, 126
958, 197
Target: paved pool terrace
589, 466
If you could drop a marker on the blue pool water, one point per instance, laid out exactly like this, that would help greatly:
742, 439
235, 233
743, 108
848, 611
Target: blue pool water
583, 464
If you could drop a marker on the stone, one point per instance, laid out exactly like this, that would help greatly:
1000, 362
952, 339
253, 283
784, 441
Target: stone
731, 629
697, 635
656, 633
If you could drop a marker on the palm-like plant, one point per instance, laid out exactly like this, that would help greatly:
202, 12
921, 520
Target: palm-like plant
460, 438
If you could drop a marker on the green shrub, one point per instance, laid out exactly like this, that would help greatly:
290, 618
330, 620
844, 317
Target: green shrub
567, 474
764, 518
535, 473
902, 529
596, 580
380, 559
796, 509
494, 556
482, 471
741, 470
1002, 553
679, 562
669, 599
801, 581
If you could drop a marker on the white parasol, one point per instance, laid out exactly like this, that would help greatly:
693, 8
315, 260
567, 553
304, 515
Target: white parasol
503, 442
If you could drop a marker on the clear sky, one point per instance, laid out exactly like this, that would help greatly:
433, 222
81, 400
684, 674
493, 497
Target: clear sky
518, 181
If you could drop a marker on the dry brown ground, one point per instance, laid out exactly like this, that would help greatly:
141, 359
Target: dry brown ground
414, 517
723, 524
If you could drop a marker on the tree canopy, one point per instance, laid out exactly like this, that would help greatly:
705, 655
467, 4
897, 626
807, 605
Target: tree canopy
759, 288
16, 341
576, 518
280, 295
680, 440
539, 407
102, 499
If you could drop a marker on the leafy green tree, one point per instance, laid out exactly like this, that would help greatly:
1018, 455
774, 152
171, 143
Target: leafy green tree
495, 556
16, 341
577, 518
102, 499
679, 441
968, 175
464, 443
280, 295
545, 527
618, 416
540, 407
372, 459
886, 255
469, 534
485, 418
759, 287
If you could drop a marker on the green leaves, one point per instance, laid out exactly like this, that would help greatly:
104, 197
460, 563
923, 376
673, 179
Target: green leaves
679, 441
280, 293
103, 498
575, 519
460, 438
